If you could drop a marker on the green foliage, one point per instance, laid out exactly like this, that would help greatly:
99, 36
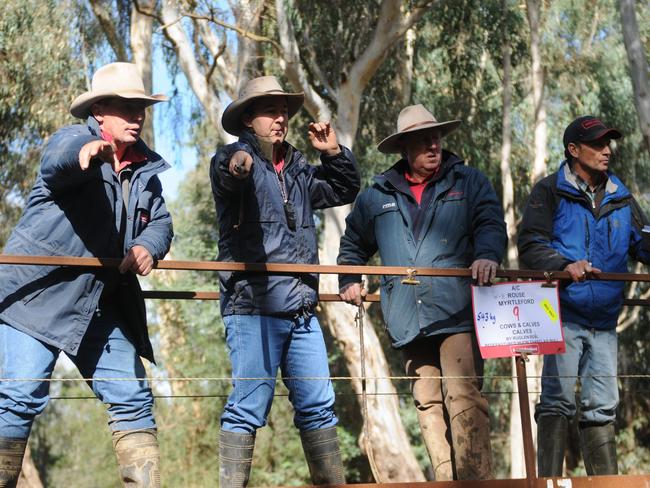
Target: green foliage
39, 77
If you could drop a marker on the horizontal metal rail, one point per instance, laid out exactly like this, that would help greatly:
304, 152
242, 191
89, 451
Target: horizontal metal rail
282, 268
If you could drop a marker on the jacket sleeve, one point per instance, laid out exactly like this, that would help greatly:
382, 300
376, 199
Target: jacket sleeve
488, 225
336, 181
536, 231
358, 243
157, 235
223, 183
60, 159
639, 243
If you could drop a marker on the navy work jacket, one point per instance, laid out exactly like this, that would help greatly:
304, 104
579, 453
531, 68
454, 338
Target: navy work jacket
560, 226
253, 224
463, 222
71, 212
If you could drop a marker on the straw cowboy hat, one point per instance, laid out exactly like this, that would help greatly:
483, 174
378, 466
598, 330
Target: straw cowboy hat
263, 86
412, 119
113, 80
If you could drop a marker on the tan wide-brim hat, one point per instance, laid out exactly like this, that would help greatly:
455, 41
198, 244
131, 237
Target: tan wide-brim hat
120, 80
263, 86
412, 119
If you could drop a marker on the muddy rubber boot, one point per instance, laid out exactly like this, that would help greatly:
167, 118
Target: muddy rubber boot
235, 458
436, 439
598, 443
138, 458
323, 456
11, 460
551, 442
470, 435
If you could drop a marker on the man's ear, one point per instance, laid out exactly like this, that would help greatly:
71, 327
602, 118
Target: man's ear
97, 111
247, 119
572, 147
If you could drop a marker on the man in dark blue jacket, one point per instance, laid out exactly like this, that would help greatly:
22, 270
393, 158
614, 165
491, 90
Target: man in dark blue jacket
583, 220
97, 193
265, 193
430, 210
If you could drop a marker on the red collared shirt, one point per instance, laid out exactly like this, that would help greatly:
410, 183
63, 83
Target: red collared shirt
131, 154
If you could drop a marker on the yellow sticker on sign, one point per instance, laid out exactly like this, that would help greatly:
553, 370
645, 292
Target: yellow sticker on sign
548, 308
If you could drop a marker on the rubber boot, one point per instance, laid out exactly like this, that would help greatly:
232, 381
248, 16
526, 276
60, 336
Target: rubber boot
323, 456
138, 458
11, 460
470, 440
436, 438
598, 444
235, 458
551, 443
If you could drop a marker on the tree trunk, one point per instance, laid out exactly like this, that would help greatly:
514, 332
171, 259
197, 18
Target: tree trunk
388, 447
638, 67
533, 10
29, 477
141, 33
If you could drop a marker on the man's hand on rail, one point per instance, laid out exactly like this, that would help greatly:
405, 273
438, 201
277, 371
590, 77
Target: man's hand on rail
580, 270
138, 260
484, 271
352, 293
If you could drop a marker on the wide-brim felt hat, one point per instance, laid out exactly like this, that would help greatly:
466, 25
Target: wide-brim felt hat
120, 80
264, 86
412, 119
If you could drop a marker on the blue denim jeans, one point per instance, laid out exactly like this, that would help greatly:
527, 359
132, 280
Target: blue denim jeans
591, 355
259, 345
105, 352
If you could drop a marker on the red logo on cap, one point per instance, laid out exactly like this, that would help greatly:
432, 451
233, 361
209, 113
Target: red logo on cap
588, 124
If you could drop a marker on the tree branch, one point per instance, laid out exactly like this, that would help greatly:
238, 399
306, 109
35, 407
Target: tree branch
108, 27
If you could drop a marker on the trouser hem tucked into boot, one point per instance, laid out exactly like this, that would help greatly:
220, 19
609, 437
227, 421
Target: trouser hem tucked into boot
235, 458
138, 458
11, 460
321, 447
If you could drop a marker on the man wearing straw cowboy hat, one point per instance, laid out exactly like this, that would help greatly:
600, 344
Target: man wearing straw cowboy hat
97, 193
430, 210
265, 193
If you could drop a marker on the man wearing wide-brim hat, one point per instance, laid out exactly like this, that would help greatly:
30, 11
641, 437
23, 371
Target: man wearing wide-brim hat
97, 194
265, 193
431, 210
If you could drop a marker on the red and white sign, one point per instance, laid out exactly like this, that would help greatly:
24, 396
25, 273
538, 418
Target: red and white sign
518, 316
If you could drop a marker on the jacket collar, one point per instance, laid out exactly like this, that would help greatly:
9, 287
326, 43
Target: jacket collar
393, 178
250, 139
567, 181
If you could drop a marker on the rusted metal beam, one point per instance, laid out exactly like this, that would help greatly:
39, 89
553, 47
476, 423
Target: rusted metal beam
638, 481
279, 268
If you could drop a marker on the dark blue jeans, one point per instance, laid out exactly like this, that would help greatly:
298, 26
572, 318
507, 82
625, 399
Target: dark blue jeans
259, 345
591, 355
105, 352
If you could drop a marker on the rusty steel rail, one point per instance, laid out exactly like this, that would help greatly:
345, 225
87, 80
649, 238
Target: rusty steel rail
280, 268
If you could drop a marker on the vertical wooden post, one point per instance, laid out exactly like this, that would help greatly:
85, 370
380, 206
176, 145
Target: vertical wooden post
529, 449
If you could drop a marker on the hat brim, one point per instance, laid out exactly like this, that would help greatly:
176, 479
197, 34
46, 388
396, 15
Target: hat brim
231, 118
391, 145
613, 134
80, 107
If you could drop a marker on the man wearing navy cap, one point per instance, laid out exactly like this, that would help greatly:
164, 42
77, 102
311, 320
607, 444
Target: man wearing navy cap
583, 220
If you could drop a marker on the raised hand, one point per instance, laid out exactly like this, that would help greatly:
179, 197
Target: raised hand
104, 150
323, 137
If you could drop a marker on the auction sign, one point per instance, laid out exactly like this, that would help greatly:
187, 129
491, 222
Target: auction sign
511, 318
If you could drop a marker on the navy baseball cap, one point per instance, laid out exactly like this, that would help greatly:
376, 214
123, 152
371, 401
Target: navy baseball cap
586, 129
